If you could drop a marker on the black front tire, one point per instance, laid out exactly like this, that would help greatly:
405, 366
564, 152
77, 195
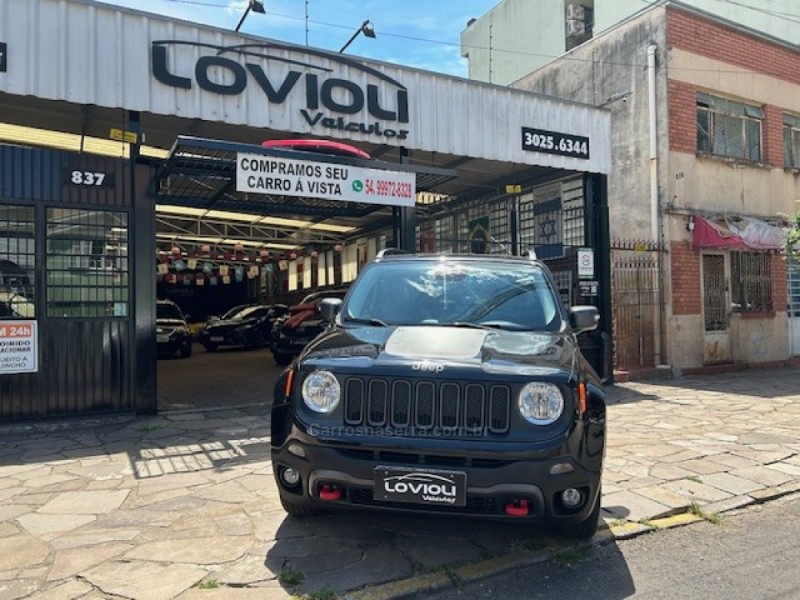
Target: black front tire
585, 529
300, 511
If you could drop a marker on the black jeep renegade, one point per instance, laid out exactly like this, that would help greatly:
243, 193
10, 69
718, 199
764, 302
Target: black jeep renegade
445, 384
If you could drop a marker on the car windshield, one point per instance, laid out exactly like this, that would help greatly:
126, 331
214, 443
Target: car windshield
168, 311
242, 312
496, 294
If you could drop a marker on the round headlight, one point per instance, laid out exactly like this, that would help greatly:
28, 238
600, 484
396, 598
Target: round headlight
321, 391
541, 403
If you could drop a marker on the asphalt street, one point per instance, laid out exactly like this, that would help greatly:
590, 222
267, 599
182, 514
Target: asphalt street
750, 554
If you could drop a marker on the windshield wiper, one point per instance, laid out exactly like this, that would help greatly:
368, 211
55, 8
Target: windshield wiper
375, 322
470, 325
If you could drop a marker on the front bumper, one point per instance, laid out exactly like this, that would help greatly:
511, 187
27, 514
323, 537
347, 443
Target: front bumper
493, 482
287, 344
172, 345
229, 337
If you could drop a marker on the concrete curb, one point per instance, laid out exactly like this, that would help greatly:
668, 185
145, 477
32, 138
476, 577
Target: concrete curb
450, 577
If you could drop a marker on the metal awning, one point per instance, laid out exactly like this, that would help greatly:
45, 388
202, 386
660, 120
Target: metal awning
199, 176
201, 173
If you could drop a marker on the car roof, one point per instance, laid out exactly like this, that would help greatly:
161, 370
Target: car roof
394, 255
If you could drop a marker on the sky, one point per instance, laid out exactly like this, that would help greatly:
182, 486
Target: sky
424, 34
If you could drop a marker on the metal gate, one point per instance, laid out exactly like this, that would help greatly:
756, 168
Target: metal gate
636, 309
794, 306
716, 308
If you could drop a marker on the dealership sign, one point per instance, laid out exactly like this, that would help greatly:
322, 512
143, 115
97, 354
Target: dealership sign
325, 102
260, 174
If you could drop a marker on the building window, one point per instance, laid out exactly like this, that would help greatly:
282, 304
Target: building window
17, 263
728, 128
572, 192
791, 141
751, 281
87, 263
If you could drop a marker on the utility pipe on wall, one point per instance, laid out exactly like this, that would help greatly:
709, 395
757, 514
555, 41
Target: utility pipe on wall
651, 95
654, 205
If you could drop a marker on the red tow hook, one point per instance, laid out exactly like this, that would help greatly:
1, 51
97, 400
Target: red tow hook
517, 508
330, 493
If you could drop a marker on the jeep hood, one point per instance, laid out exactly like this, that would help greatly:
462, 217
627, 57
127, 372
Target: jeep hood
490, 349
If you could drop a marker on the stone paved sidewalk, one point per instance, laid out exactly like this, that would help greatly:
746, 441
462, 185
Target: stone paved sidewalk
183, 505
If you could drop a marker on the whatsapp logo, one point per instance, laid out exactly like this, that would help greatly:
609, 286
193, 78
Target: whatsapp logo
358, 185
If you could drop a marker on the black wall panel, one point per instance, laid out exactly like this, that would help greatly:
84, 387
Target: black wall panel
85, 364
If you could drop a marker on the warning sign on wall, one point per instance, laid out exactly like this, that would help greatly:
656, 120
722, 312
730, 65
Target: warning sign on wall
18, 351
585, 263
310, 179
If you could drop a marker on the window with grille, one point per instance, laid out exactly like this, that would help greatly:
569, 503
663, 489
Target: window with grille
751, 281
573, 213
17, 263
87, 263
444, 234
793, 272
551, 218
728, 128
791, 141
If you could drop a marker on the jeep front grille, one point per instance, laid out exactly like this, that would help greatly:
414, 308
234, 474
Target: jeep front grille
424, 405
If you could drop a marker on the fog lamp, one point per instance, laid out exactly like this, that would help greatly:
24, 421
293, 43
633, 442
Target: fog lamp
571, 498
290, 476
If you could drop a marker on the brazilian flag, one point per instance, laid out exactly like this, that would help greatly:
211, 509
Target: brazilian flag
479, 235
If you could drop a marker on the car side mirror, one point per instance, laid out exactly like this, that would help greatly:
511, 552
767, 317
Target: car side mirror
328, 308
584, 318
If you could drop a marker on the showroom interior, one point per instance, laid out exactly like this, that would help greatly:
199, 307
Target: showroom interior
115, 197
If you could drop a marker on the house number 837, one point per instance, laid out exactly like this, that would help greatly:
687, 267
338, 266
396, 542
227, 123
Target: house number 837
87, 178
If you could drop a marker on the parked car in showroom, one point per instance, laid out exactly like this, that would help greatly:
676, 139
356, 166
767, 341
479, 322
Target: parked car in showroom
300, 325
248, 326
445, 384
15, 306
172, 331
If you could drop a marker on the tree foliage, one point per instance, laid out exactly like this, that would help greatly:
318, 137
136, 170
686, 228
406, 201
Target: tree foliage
793, 237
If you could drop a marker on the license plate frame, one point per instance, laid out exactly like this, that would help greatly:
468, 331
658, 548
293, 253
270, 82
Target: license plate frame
162, 338
427, 487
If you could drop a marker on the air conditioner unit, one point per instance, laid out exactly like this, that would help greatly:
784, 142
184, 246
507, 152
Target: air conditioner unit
576, 12
575, 28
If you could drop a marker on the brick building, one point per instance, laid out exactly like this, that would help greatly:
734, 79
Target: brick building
706, 159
